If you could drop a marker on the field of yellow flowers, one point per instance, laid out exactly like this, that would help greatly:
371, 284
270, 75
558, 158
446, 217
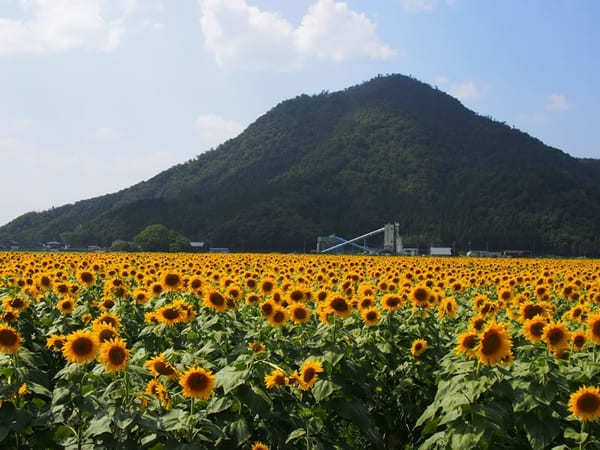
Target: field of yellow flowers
261, 351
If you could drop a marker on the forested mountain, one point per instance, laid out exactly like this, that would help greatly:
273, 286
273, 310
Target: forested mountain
390, 149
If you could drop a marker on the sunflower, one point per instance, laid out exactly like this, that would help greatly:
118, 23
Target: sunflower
66, 305
197, 383
478, 322
160, 366
23, 390
293, 379
10, 315
114, 355
215, 300
579, 339
156, 389
533, 329
156, 288
107, 303
86, 278
267, 308
105, 332
275, 378
279, 317
170, 315
9, 339
529, 310
256, 347
339, 306
448, 307
391, 302
593, 324
80, 347
56, 342
371, 316
252, 299
85, 318
15, 303
259, 446
171, 281
109, 318
299, 313
467, 343
418, 347
494, 344
505, 294
419, 296
309, 374
266, 286
556, 336
585, 404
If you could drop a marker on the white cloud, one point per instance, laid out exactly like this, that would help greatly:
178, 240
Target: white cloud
240, 35
214, 130
467, 90
63, 25
557, 102
441, 80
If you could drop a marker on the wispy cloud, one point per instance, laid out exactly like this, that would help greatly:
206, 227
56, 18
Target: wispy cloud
557, 102
63, 25
467, 90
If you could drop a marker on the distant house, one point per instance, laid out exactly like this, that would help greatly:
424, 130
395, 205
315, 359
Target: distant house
440, 251
198, 246
53, 245
218, 250
516, 253
93, 248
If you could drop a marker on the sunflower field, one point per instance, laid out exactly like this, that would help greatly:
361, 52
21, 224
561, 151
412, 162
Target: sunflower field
259, 351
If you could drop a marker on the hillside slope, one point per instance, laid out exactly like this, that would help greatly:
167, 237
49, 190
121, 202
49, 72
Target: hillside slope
391, 149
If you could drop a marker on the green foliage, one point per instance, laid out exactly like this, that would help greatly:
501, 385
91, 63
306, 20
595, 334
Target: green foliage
391, 149
158, 238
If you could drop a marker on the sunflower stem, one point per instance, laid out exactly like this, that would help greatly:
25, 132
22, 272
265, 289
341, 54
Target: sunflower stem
581, 435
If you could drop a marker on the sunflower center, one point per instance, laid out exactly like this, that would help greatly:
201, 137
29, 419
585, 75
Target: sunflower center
279, 379
418, 346
278, 317
579, 341
421, 295
371, 315
470, 341
82, 346
588, 403
555, 336
172, 279
339, 304
170, 313
537, 329
216, 299
596, 328
17, 303
532, 311
106, 335
87, 277
300, 314
197, 381
117, 355
308, 374
393, 301
162, 368
490, 343
267, 286
266, 308
297, 295
8, 337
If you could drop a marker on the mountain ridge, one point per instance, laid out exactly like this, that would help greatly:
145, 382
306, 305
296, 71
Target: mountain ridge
389, 149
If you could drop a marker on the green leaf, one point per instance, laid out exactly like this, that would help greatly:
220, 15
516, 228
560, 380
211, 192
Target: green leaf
218, 404
323, 389
39, 389
148, 439
173, 420
98, 426
62, 434
239, 428
229, 378
297, 433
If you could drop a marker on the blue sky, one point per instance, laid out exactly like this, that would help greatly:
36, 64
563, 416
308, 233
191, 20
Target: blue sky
96, 95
